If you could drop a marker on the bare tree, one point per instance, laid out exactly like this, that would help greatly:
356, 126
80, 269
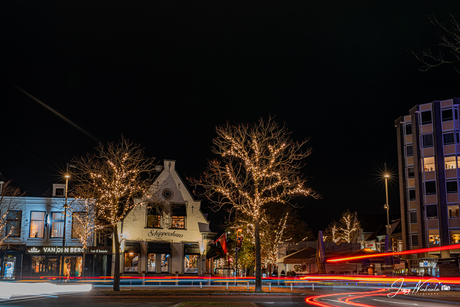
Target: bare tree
115, 175
449, 43
258, 164
9, 202
346, 230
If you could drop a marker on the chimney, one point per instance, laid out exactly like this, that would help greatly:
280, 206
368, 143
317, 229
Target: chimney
58, 190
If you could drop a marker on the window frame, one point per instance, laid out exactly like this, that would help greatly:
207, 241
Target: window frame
448, 135
155, 216
56, 221
451, 184
32, 221
426, 137
425, 121
447, 118
431, 208
9, 222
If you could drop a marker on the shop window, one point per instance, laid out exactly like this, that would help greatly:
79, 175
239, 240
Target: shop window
451, 186
413, 217
448, 138
455, 236
451, 162
191, 264
52, 267
57, 224
426, 117
37, 224
409, 151
453, 212
414, 239
431, 212
72, 267
151, 262
131, 261
412, 195
153, 218
38, 265
433, 237
447, 115
430, 187
13, 223
428, 164
410, 172
164, 263
78, 219
408, 129
427, 140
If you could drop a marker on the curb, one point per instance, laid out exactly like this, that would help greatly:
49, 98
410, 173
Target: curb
198, 294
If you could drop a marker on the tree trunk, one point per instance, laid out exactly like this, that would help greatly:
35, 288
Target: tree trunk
116, 271
83, 264
258, 287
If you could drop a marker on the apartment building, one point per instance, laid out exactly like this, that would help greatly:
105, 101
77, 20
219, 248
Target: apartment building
428, 150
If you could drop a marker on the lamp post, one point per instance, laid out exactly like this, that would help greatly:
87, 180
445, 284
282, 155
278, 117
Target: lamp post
67, 176
387, 206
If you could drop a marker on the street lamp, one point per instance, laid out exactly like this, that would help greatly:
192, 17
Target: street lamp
387, 206
67, 176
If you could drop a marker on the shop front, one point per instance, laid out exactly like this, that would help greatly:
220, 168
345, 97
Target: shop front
47, 260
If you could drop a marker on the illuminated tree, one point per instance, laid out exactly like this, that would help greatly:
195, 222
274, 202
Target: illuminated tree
345, 231
113, 177
8, 202
449, 51
258, 164
85, 224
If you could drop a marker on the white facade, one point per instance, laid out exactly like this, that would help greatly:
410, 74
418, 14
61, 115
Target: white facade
180, 231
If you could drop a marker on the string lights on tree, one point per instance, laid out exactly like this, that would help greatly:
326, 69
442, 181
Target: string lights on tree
115, 175
345, 231
258, 164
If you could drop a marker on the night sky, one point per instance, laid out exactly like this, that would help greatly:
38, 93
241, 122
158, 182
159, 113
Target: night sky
165, 74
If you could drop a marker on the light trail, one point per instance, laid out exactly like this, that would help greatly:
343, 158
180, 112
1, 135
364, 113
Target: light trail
57, 113
312, 300
407, 252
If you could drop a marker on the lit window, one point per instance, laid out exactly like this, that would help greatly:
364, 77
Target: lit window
151, 264
13, 223
447, 115
433, 237
178, 222
451, 162
164, 263
455, 237
426, 117
57, 224
448, 138
191, 264
453, 212
37, 224
428, 164
451, 186
427, 140
153, 218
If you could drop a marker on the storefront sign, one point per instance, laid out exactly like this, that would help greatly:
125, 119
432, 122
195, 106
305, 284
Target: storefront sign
160, 234
54, 250
99, 250
426, 264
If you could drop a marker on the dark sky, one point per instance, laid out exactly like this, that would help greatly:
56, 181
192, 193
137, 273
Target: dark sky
165, 74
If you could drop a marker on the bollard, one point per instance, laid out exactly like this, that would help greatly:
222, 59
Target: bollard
201, 285
248, 285
177, 279
269, 286
227, 285
291, 286
312, 287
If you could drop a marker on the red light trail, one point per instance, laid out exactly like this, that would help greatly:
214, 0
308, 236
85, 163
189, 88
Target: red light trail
407, 252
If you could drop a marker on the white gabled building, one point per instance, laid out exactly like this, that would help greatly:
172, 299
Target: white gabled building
168, 241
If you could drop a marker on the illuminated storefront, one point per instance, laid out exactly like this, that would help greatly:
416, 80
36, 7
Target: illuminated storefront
169, 239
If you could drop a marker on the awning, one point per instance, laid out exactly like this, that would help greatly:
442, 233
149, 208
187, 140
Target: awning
159, 248
214, 252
